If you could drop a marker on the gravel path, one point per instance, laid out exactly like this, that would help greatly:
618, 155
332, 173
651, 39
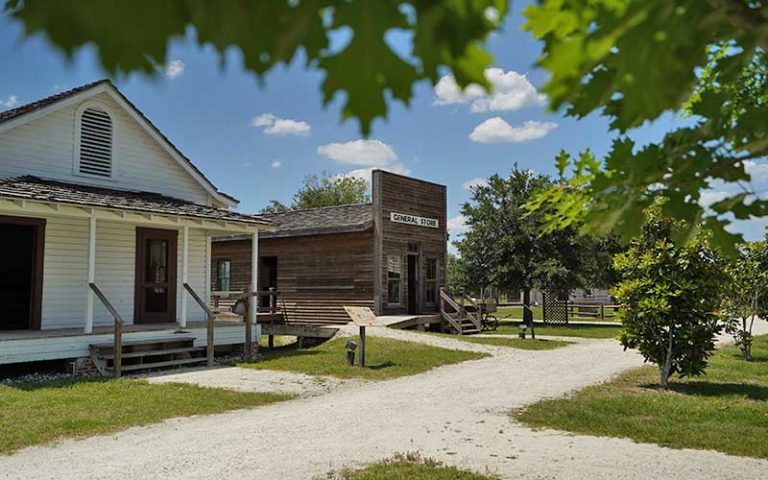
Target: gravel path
456, 413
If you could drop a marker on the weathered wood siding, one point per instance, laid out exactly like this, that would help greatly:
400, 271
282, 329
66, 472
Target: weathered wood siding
65, 271
44, 147
316, 275
396, 193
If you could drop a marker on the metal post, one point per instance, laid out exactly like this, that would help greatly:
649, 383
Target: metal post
362, 346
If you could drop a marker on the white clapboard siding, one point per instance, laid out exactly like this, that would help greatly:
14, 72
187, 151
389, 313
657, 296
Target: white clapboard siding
45, 147
66, 266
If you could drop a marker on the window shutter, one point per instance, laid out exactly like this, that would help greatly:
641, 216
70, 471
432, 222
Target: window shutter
96, 143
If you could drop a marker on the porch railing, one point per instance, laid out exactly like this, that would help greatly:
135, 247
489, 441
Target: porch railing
209, 322
118, 340
272, 294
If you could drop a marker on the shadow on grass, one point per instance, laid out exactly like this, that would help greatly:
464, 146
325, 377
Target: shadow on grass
714, 389
58, 383
381, 366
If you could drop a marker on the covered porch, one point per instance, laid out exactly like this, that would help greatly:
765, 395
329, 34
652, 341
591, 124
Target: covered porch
99, 263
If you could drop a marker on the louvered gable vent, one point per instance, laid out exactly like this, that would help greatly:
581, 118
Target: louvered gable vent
96, 143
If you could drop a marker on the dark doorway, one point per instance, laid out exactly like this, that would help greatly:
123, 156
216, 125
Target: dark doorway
413, 284
267, 278
21, 272
155, 299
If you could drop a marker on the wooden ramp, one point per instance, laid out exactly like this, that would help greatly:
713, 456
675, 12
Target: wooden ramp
406, 321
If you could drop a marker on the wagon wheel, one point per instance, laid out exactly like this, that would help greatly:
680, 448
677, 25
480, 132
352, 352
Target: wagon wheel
490, 323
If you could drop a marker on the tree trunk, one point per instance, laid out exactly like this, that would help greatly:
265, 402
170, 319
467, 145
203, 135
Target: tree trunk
666, 367
527, 312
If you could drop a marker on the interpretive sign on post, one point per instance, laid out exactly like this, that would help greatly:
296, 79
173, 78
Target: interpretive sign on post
362, 317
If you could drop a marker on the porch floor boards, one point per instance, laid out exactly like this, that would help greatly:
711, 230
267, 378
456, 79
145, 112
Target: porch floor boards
102, 330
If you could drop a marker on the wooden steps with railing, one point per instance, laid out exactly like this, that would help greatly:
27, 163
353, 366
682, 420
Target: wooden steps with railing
457, 317
147, 354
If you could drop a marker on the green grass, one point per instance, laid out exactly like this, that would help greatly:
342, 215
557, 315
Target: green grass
385, 359
407, 467
726, 410
31, 414
572, 330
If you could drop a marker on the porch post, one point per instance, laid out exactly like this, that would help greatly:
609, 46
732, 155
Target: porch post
254, 303
91, 274
184, 274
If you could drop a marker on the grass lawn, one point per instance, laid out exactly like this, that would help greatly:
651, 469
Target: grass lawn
726, 410
384, 358
573, 330
37, 413
408, 467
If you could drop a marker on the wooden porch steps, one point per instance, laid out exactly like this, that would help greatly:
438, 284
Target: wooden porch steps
147, 354
456, 317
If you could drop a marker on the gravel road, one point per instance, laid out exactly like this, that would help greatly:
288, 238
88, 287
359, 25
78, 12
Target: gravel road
457, 413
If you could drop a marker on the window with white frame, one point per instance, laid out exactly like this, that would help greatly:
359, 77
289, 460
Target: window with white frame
394, 279
430, 281
94, 142
224, 274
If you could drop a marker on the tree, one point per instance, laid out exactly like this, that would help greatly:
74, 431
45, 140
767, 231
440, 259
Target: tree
324, 190
633, 60
456, 274
505, 246
671, 295
365, 71
747, 297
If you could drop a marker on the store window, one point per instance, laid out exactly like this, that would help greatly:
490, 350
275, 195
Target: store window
430, 281
394, 279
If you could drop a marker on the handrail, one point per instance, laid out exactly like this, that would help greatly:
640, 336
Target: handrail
449, 300
476, 317
118, 340
209, 322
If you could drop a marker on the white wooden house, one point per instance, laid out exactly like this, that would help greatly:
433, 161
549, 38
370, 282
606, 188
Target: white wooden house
91, 192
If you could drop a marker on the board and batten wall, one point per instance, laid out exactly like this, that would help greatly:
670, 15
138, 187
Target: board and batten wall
44, 147
397, 193
317, 275
65, 271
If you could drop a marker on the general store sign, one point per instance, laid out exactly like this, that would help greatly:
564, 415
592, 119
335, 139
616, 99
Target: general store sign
413, 220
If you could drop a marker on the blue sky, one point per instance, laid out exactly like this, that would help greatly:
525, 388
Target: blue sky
211, 114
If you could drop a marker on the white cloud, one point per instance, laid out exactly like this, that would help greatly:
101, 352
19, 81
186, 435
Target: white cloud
457, 225
276, 164
758, 171
474, 182
281, 127
496, 130
10, 102
511, 91
174, 69
707, 198
370, 153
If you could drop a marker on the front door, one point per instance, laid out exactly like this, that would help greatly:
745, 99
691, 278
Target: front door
155, 276
21, 272
413, 284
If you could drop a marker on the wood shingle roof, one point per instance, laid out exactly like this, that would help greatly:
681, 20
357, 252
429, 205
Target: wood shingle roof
33, 188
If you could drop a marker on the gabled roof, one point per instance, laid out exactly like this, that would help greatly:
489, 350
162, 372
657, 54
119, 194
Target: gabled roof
33, 188
10, 118
317, 221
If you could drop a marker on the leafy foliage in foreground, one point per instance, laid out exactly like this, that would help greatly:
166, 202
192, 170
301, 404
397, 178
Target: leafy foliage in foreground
671, 297
409, 466
632, 60
324, 190
366, 71
726, 410
31, 414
